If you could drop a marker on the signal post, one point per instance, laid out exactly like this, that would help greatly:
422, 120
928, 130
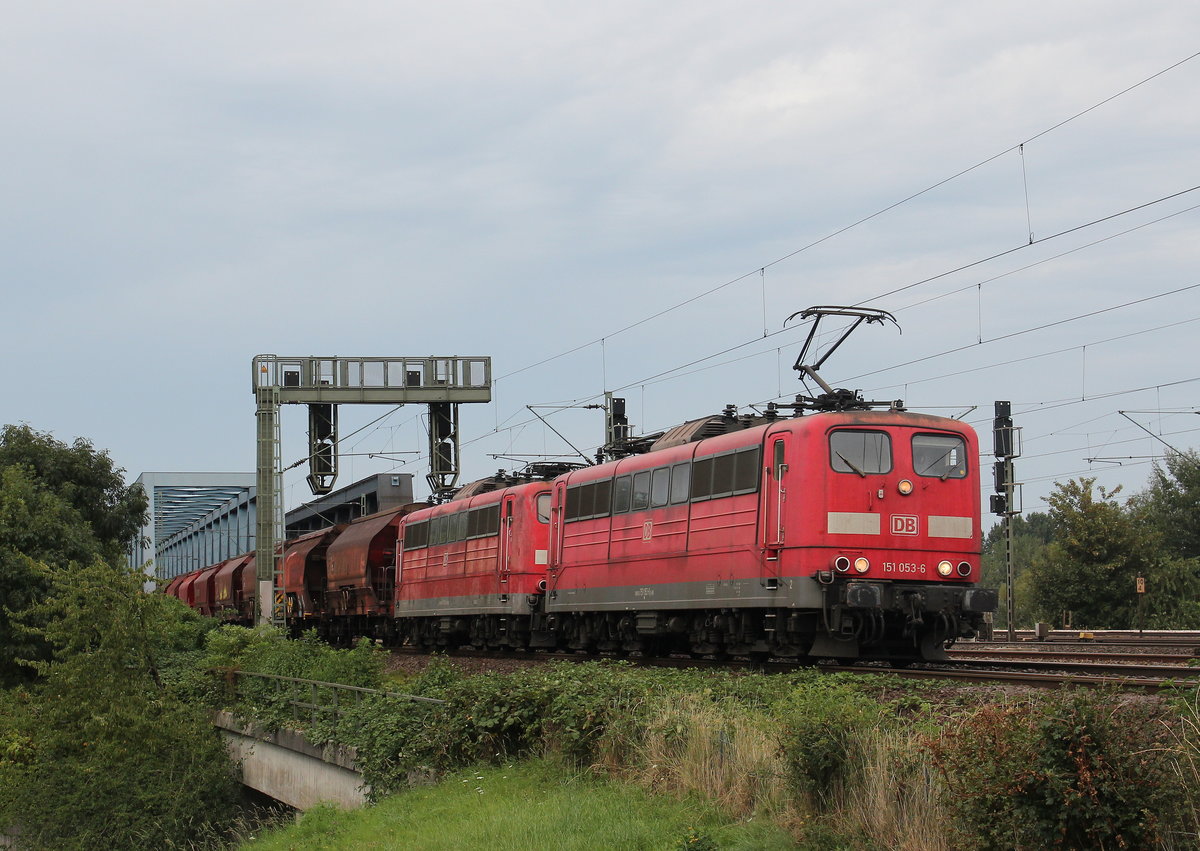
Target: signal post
1006, 443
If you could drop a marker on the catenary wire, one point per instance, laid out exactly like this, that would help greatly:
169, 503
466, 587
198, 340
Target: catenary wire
762, 267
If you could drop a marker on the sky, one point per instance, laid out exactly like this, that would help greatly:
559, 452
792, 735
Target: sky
627, 196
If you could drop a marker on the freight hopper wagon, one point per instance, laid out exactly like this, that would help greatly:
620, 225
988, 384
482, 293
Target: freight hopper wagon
841, 534
225, 590
341, 580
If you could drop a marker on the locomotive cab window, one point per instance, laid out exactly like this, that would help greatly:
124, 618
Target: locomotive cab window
543, 507
941, 456
861, 452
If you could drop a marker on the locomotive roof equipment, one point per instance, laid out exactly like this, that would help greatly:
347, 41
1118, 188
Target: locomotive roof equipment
839, 399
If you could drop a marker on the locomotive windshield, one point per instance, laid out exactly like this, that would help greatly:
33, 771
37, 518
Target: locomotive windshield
939, 455
861, 452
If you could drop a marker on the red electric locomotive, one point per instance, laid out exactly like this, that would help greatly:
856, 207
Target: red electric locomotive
840, 534
473, 570
847, 533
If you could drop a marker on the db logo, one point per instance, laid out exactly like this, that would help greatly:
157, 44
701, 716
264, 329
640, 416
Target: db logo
904, 524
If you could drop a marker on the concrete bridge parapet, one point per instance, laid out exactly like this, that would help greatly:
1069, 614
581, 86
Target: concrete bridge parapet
286, 766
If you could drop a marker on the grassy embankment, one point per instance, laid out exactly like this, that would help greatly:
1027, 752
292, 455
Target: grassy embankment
524, 807
836, 761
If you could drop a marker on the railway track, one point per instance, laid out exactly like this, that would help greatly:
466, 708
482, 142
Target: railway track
1030, 672
1034, 679
1088, 637
1042, 654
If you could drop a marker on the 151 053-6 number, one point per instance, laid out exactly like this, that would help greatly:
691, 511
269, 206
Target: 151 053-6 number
903, 567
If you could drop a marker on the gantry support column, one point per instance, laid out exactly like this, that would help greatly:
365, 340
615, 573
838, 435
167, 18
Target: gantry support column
269, 533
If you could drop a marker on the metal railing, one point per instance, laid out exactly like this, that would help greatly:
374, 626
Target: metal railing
313, 700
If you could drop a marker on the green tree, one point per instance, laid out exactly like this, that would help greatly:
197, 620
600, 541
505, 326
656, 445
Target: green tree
60, 506
82, 477
1169, 509
101, 755
1170, 504
39, 533
1100, 549
1091, 567
1032, 533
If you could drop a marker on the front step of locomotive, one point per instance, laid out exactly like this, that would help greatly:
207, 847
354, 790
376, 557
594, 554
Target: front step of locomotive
875, 620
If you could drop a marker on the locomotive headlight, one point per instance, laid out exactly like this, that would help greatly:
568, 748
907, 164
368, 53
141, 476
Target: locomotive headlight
945, 568
841, 564
862, 565
905, 487
964, 568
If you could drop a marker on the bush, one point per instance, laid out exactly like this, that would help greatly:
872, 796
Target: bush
99, 754
579, 711
267, 650
845, 761
1074, 770
821, 729
118, 771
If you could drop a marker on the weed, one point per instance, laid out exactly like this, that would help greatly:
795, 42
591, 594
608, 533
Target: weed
1073, 770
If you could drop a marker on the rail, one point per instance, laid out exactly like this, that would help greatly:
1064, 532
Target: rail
312, 699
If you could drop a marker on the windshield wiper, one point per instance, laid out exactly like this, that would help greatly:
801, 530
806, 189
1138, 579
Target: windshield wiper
850, 464
937, 462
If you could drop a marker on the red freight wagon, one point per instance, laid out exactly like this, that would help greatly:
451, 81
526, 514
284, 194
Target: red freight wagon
361, 573
247, 591
228, 587
304, 576
203, 599
184, 590
839, 534
172, 587
473, 569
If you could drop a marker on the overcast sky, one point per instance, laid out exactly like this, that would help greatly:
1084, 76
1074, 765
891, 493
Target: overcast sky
186, 185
